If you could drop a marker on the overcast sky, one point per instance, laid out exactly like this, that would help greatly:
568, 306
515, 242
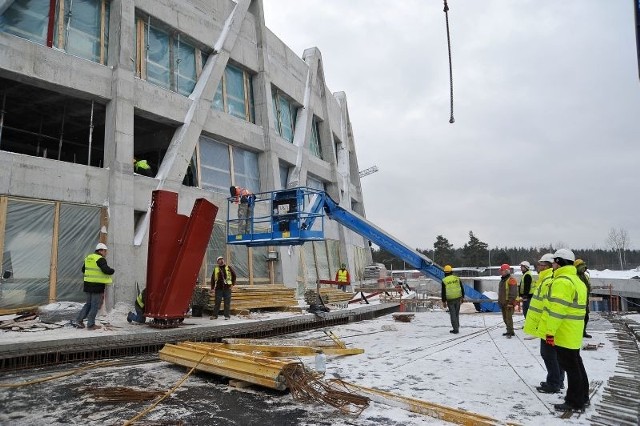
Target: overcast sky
545, 148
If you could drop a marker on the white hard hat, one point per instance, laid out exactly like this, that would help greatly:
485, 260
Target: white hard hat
101, 246
219, 257
547, 257
525, 264
565, 254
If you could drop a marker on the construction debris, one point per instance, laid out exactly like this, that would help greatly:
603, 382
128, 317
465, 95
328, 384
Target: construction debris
403, 317
306, 386
121, 394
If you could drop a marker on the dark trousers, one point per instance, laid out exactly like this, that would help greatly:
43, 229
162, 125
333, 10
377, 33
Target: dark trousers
586, 320
223, 294
507, 317
525, 306
454, 313
138, 316
555, 375
577, 380
90, 308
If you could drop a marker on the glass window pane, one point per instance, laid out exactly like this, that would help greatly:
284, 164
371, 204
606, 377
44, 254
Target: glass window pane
314, 143
27, 253
82, 19
27, 19
78, 234
158, 71
217, 99
286, 121
185, 68
284, 176
246, 171
215, 165
234, 81
276, 114
315, 183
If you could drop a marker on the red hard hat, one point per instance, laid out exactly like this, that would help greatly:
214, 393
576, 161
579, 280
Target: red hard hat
504, 267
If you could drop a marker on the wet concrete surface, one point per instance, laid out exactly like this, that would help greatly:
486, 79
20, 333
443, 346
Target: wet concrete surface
203, 399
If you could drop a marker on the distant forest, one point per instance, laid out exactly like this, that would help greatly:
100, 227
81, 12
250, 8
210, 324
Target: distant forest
477, 253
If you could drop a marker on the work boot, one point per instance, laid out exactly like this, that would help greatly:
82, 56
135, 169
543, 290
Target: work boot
547, 389
94, 327
212, 317
567, 407
586, 336
227, 318
80, 324
453, 331
130, 317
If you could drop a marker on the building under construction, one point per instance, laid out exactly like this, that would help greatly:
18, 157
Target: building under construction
200, 89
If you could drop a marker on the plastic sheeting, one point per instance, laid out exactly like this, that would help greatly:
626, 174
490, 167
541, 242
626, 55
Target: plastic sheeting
215, 166
245, 169
78, 234
27, 19
83, 25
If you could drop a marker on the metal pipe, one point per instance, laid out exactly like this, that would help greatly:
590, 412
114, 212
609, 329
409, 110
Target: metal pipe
64, 114
4, 100
90, 135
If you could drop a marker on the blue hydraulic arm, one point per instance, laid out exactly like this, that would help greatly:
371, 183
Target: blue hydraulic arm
363, 227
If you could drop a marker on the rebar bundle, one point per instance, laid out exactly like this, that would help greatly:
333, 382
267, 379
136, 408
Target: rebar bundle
308, 387
121, 394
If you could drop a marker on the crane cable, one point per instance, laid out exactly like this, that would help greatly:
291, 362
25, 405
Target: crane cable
446, 15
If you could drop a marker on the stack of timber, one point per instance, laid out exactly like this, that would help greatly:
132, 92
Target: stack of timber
329, 295
288, 347
252, 297
213, 358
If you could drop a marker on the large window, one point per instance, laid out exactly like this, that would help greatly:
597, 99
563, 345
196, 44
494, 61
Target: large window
235, 94
314, 143
315, 183
79, 27
284, 114
215, 165
165, 58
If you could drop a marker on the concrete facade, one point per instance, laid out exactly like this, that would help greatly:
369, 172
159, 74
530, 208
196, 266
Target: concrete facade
233, 32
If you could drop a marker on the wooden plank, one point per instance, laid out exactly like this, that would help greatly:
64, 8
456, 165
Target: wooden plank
53, 265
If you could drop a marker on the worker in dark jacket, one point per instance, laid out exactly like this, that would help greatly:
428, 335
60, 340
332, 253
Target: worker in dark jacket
222, 280
97, 275
507, 293
581, 268
138, 316
452, 295
525, 286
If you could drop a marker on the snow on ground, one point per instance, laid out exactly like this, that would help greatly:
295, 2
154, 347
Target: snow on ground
477, 370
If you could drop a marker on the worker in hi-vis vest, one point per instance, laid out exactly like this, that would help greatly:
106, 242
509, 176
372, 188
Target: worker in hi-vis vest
507, 294
138, 316
342, 276
525, 287
564, 327
97, 275
222, 279
452, 295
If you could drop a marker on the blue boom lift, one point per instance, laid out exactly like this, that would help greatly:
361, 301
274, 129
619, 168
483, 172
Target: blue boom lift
296, 215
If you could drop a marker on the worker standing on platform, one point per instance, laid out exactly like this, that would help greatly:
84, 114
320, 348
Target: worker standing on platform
452, 295
342, 276
525, 286
537, 328
581, 269
507, 293
565, 325
222, 280
97, 275
245, 200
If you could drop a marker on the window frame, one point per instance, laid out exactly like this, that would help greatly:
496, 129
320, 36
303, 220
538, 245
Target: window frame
247, 84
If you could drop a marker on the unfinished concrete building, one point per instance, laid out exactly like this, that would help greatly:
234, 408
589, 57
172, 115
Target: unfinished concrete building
204, 92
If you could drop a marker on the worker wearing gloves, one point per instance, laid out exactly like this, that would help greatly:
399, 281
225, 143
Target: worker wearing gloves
525, 286
245, 200
535, 327
507, 293
452, 295
564, 326
222, 279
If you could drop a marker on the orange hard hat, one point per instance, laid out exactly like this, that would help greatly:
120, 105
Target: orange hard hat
504, 267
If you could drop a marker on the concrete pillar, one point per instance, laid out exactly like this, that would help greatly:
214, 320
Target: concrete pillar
118, 156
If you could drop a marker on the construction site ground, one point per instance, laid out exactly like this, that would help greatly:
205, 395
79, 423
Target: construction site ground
477, 372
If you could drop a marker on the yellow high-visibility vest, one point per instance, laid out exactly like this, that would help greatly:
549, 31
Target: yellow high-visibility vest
93, 273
